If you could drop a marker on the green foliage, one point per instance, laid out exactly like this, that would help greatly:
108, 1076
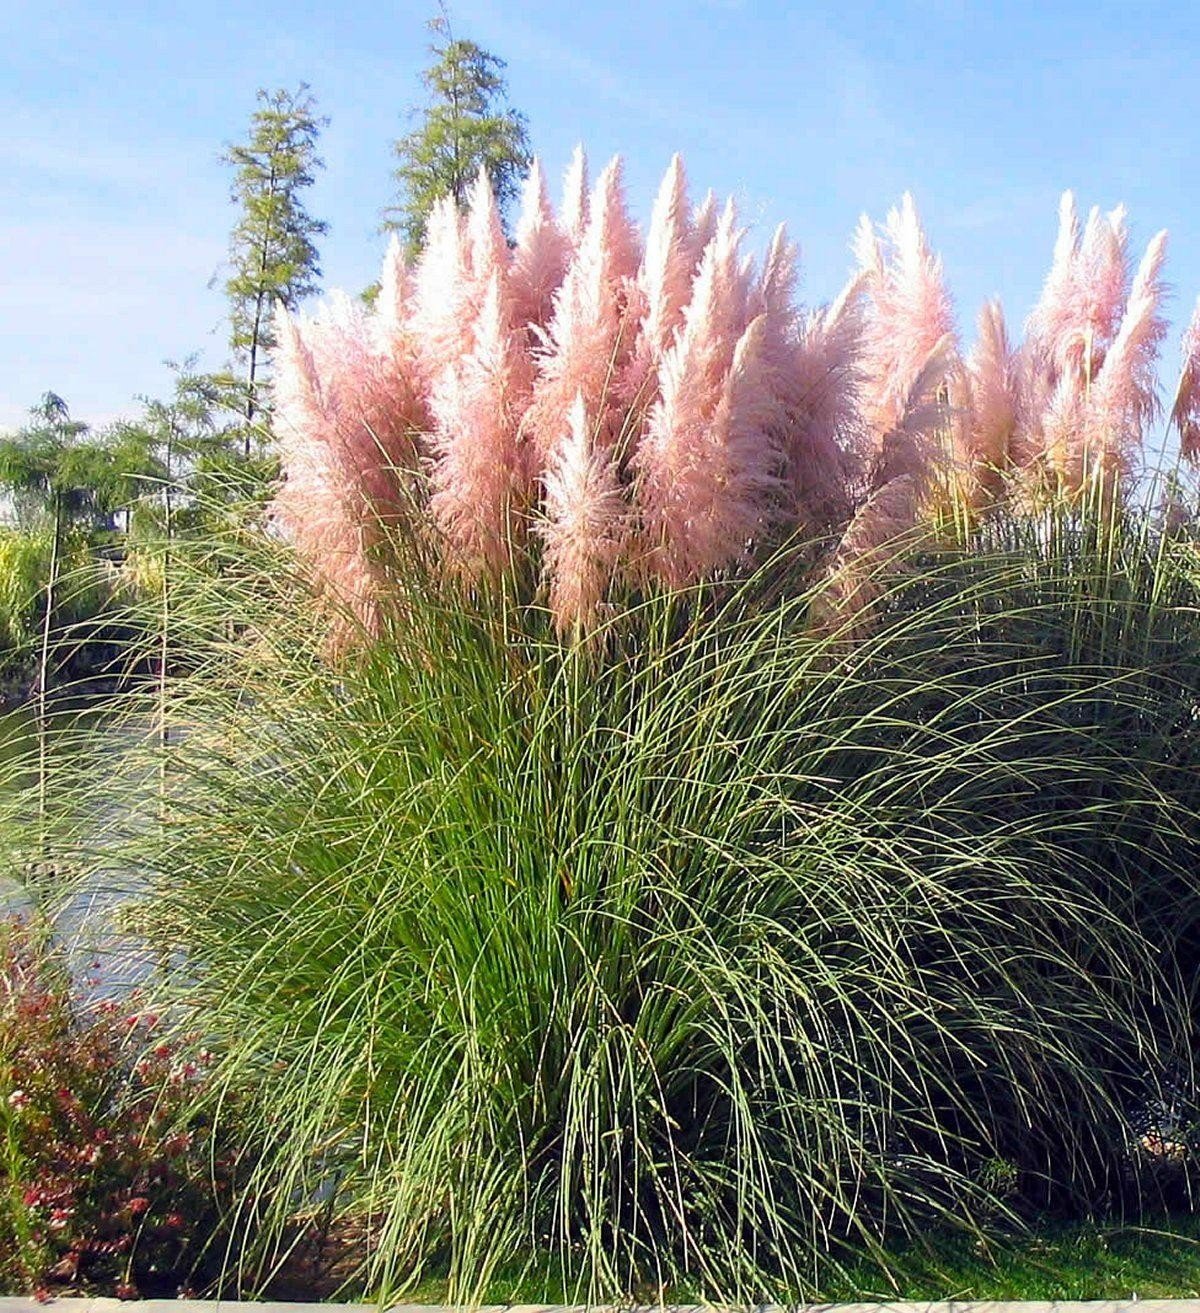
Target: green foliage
272, 249
88, 588
24, 561
51, 470
465, 126
179, 445
107, 1182
712, 952
57, 572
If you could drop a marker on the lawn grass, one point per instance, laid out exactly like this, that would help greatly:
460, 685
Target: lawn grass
1082, 1261
1160, 1260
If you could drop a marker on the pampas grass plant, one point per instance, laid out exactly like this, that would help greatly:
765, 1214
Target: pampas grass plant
730, 797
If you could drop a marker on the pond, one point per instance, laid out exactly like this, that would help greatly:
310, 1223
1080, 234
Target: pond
84, 738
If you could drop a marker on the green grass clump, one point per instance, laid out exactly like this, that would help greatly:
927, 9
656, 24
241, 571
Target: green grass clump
708, 953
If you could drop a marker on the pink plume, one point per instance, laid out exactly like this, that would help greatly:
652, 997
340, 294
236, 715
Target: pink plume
486, 246
393, 341
1104, 281
870, 547
1077, 315
812, 369
1056, 310
539, 261
773, 295
706, 468
704, 226
1185, 410
442, 312
901, 475
372, 411
669, 262
480, 489
820, 397
664, 285
1062, 417
909, 449
392, 306
575, 197
908, 314
610, 216
988, 426
337, 489
1124, 400
585, 528
588, 342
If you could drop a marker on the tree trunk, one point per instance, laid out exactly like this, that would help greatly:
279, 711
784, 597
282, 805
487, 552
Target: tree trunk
256, 332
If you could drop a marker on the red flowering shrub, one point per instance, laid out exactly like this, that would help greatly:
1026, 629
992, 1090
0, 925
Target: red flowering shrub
106, 1181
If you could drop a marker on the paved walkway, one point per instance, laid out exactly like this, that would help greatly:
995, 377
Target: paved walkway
12, 1304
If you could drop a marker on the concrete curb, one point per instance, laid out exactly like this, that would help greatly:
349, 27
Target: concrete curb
21, 1304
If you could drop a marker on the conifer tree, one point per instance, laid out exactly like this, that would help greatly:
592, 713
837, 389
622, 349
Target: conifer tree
466, 125
272, 249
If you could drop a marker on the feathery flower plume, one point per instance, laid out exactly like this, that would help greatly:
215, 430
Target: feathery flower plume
1077, 314
706, 466
704, 226
585, 527
664, 285
622, 250
372, 412
773, 294
575, 198
587, 343
392, 306
819, 391
1185, 409
868, 549
811, 369
486, 246
909, 450
539, 260
1060, 421
986, 407
442, 288
478, 478
393, 342
1103, 285
669, 261
1055, 310
908, 313
322, 503
1124, 399
900, 483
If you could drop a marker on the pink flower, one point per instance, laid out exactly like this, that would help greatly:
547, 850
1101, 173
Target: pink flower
1123, 401
707, 466
479, 478
585, 526
589, 339
1185, 409
539, 261
908, 313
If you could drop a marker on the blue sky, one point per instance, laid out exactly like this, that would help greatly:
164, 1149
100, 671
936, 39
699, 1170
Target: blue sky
114, 208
